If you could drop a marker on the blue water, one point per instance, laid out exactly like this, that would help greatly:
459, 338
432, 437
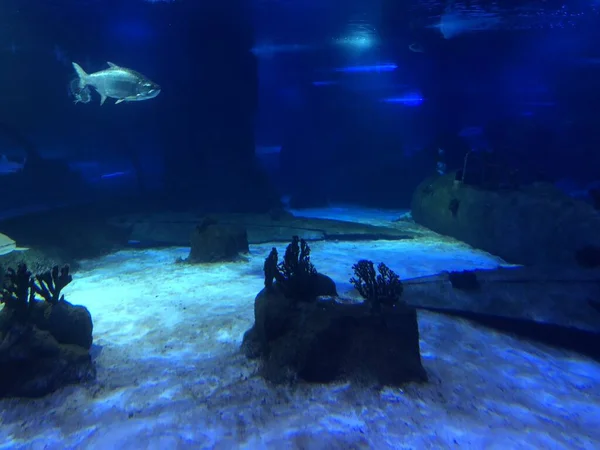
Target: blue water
326, 109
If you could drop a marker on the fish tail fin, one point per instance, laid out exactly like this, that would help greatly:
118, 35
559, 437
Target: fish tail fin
81, 74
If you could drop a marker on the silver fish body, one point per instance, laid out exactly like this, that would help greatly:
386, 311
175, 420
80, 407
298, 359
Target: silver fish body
117, 82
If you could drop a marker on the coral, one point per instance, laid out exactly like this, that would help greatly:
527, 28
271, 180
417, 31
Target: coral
383, 289
20, 288
270, 268
296, 261
17, 294
50, 284
296, 276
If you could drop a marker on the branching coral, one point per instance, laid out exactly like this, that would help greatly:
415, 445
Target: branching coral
295, 274
296, 261
16, 292
383, 289
20, 288
270, 268
50, 284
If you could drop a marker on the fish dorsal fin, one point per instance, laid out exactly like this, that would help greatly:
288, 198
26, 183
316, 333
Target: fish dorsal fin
112, 65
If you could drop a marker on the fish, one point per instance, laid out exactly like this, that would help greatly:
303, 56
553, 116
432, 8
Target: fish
8, 245
117, 82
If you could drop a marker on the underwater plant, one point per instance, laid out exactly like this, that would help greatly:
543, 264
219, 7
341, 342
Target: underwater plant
270, 268
50, 284
296, 275
384, 288
20, 288
16, 292
296, 261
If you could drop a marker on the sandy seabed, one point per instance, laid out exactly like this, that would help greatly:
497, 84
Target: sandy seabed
171, 376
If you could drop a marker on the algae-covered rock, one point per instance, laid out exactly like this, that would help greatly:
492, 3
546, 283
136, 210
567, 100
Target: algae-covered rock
44, 344
301, 330
327, 341
33, 363
535, 224
69, 324
212, 242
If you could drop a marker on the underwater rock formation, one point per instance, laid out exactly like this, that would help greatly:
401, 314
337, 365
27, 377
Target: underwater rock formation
534, 225
173, 229
212, 242
302, 331
561, 297
44, 344
86, 236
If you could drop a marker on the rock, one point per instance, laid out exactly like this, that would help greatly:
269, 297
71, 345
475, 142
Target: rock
173, 229
212, 242
69, 324
44, 344
87, 236
325, 341
533, 225
33, 363
561, 297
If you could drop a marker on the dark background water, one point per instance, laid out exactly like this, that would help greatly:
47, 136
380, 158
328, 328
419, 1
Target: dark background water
322, 101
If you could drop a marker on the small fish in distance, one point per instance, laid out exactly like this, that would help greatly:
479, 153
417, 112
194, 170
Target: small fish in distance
117, 82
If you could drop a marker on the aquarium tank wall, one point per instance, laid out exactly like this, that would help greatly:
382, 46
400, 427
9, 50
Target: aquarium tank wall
285, 224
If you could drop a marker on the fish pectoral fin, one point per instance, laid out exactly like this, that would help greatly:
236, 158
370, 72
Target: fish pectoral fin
102, 99
113, 65
21, 249
119, 101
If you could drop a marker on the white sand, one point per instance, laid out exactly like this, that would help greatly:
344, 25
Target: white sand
170, 375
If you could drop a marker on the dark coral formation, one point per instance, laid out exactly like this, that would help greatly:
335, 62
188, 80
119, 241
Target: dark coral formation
44, 343
49, 284
17, 294
296, 261
270, 268
380, 289
20, 288
296, 276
